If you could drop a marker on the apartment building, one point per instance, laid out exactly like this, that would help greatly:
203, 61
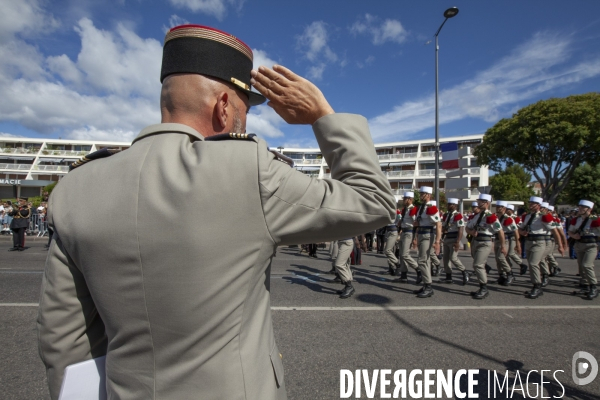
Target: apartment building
27, 165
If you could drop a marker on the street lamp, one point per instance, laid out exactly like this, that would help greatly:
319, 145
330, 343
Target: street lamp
449, 13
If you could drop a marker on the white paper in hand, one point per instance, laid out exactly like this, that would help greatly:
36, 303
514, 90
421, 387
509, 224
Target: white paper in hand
84, 381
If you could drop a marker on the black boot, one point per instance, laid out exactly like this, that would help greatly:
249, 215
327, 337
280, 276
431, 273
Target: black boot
465, 275
391, 270
487, 269
427, 292
592, 294
545, 280
337, 278
434, 271
535, 292
523, 269
582, 292
510, 279
482, 293
331, 271
448, 279
419, 290
403, 277
419, 278
347, 291
502, 280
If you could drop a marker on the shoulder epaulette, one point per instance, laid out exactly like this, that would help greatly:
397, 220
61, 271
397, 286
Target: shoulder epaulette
282, 158
230, 136
102, 153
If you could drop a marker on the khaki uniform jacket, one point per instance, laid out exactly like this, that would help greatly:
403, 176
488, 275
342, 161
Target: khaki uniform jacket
169, 275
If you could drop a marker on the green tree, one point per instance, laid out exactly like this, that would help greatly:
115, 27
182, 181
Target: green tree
512, 183
550, 139
585, 184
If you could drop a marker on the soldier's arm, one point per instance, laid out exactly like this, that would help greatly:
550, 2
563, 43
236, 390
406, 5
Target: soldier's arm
69, 327
358, 198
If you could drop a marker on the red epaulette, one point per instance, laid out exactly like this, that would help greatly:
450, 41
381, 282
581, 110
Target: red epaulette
471, 217
458, 217
557, 220
547, 218
414, 211
517, 220
595, 223
432, 210
491, 219
573, 221
397, 212
508, 221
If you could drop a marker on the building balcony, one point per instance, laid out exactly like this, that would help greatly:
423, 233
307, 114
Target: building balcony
15, 167
18, 150
431, 172
51, 168
426, 154
64, 153
400, 174
309, 162
400, 156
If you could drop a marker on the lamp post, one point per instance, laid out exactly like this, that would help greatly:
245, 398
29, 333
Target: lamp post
449, 13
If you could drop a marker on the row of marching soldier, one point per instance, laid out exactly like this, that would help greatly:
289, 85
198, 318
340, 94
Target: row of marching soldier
501, 233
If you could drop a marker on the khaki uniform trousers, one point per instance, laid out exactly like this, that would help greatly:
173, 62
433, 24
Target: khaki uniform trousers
481, 251
333, 249
586, 254
544, 263
536, 250
425, 245
550, 260
406, 259
342, 261
433, 258
390, 247
501, 263
512, 256
451, 256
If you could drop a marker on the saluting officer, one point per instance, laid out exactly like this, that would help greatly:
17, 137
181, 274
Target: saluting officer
585, 230
407, 218
509, 227
483, 227
535, 227
20, 223
514, 246
452, 231
427, 221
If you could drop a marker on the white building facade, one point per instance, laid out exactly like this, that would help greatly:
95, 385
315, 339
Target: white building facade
27, 165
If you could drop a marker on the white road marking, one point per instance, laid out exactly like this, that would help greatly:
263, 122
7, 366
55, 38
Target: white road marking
19, 305
433, 308
508, 315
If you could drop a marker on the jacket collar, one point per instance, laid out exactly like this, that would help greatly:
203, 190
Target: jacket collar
158, 129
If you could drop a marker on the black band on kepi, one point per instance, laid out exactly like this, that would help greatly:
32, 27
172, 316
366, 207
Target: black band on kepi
202, 50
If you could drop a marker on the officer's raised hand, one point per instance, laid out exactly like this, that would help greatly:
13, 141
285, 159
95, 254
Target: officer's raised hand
294, 98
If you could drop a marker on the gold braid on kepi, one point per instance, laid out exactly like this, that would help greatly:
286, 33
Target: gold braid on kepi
197, 49
231, 135
102, 153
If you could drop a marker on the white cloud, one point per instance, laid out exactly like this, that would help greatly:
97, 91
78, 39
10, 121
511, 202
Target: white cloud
261, 58
24, 17
390, 30
175, 20
108, 135
264, 121
10, 135
216, 8
313, 44
531, 70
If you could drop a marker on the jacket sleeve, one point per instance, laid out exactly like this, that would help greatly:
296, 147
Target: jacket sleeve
69, 327
358, 198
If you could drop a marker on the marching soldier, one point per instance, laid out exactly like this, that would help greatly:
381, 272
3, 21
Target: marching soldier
427, 222
585, 231
508, 227
483, 227
20, 223
407, 218
452, 231
391, 237
514, 247
550, 260
434, 259
341, 264
535, 227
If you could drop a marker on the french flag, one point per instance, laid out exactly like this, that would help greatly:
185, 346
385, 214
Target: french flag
449, 155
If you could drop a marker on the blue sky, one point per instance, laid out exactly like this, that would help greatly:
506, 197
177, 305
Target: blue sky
89, 69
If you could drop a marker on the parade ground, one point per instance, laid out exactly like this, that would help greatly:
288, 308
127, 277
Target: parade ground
383, 326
